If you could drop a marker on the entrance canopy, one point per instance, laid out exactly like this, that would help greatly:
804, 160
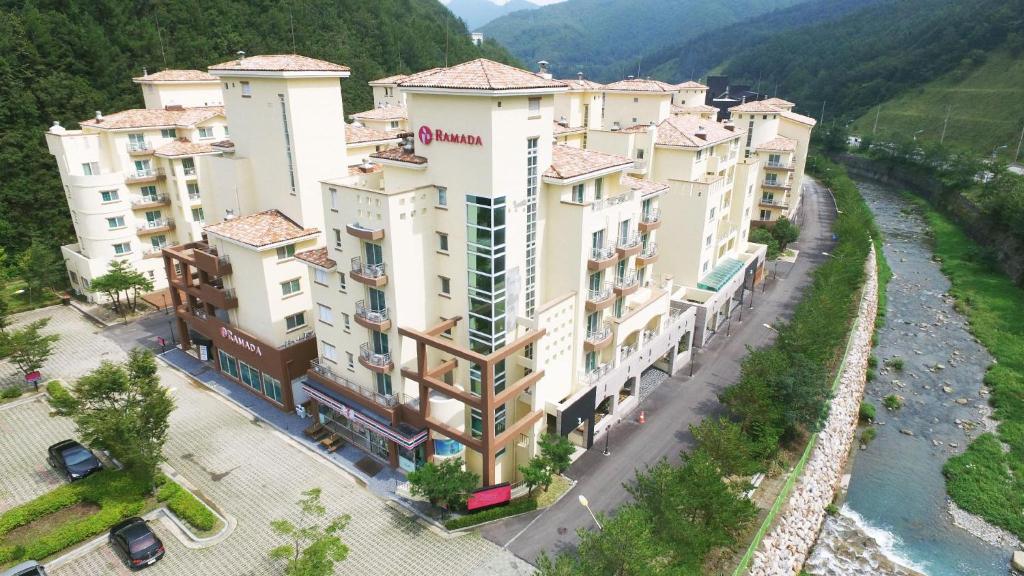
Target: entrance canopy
405, 436
720, 275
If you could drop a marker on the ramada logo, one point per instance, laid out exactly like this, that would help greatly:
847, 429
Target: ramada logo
428, 135
231, 336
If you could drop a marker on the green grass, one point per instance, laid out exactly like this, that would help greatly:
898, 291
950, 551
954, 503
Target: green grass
892, 402
984, 479
511, 509
868, 411
20, 302
185, 505
986, 108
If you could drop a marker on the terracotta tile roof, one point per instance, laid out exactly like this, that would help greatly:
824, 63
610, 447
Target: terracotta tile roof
399, 154
779, 143
480, 74
361, 134
183, 147
640, 85
691, 85
636, 129
388, 80
799, 118
280, 63
155, 117
177, 76
569, 162
578, 85
317, 257
779, 102
645, 187
382, 113
561, 129
261, 229
755, 106
682, 131
695, 109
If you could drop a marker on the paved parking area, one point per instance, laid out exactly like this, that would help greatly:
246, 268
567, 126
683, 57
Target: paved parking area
252, 472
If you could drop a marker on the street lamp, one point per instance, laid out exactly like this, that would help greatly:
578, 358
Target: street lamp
997, 149
586, 504
770, 327
916, 133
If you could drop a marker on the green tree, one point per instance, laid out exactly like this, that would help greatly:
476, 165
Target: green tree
122, 284
122, 408
626, 545
445, 483
556, 451
536, 473
785, 232
39, 267
764, 236
726, 444
564, 564
26, 347
313, 549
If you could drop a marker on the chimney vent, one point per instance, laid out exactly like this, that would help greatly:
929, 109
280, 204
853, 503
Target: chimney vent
630, 77
144, 72
701, 133
99, 116
229, 214
616, 126
545, 72
241, 56
579, 75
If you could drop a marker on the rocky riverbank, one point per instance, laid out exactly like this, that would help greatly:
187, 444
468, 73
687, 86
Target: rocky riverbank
786, 547
978, 527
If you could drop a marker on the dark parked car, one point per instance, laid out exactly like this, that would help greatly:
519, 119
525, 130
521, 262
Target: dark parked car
136, 543
73, 460
30, 568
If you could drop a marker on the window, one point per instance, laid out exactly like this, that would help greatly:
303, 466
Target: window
188, 166
115, 222
90, 168
442, 242
499, 419
350, 360
197, 215
290, 287
774, 160
226, 131
295, 321
158, 241
123, 248
394, 124
333, 198
534, 106
446, 285
577, 193
330, 352
476, 423
598, 188
639, 153
326, 314
704, 268
707, 241
337, 238
272, 388
766, 214
246, 90
346, 320
711, 216
636, 100
109, 195
341, 281
320, 276
285, 252
620, 304
228, 364
700, 154
206, 131
168, 133
148, 193
249, 376
442, 196
193, 190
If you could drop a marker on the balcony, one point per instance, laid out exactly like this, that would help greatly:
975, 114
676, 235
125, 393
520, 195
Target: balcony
774, 202
322, 369
598, 339
780, 166
601, 258
375, 361
150, 201
155, 226
207, 260
774, 184
157, 251
369, 274
628, 245
627, 283
379, 320
189, 172
648, 255
194, 197
650, 220
143, 148
223, 298
601, 298
365, 232
144, 176
592, 376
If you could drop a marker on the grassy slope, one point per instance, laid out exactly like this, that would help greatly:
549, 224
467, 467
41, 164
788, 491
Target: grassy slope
984, 479
986, 108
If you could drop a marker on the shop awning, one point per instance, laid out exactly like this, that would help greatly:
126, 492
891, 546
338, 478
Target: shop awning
406, 436
721, 274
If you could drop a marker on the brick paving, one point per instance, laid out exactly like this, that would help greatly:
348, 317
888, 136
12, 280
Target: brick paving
251, 471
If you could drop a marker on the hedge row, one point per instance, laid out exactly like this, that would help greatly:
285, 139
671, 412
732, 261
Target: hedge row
511, 509
185, 505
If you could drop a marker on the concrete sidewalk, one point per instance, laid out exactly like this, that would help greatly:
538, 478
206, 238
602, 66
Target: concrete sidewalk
677, 403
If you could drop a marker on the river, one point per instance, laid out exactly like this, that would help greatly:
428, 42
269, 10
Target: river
895, 519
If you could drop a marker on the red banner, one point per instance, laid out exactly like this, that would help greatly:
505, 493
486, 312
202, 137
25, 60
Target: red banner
491, 496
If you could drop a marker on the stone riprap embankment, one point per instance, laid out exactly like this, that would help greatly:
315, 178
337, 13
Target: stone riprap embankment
785, 548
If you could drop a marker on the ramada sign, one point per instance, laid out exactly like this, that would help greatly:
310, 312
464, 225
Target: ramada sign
230, 335
428, 135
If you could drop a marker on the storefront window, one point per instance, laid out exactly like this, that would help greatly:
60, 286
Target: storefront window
249, 375
447, 447
228, 364
272, 388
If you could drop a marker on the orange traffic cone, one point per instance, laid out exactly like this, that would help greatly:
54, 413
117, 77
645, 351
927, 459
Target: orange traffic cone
643, 417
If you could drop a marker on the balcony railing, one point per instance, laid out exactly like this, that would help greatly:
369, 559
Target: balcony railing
627, 281
291, 341
143, 147
323, 368
369, 315
193, 197
157, 251
592, 376
145, 173
599, 335
774, 184
651, 216
154, 225
368, 270
627, 242
150, 200
599, 254
779, 165
378, 359
601, 294
773, 202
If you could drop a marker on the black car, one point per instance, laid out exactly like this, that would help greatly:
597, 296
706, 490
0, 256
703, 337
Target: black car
136, 543
29, 568
73, 460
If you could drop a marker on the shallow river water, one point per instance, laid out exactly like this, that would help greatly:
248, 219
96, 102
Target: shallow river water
895, 520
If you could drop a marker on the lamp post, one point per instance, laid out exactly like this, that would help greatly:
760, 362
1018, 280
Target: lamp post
586, 504
770, 327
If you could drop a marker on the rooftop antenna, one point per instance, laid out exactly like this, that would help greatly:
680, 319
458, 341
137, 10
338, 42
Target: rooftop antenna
291, 21
446, 40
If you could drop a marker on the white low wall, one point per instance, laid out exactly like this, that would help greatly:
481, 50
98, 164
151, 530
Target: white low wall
784, 550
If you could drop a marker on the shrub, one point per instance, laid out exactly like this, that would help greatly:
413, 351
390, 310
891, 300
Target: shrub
56, 390
831, 510
764, 236
872, 361
510, 509
10, 392
185, 505
867, 411
896, 363
870, 375
892, 402
868, 435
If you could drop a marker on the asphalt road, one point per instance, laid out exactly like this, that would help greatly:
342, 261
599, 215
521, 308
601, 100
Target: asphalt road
678, 402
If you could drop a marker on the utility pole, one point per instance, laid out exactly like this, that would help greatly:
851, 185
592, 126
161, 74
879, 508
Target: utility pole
822, 117
1019, 142
944, 124
875, 127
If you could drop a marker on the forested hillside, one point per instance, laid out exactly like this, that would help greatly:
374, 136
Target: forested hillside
62, 60
606, 39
